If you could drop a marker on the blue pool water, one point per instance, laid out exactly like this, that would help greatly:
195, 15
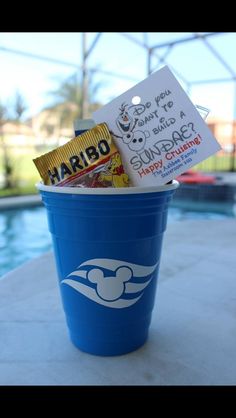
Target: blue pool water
24, 233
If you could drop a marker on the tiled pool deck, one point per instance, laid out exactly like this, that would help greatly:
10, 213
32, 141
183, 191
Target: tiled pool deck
192, 335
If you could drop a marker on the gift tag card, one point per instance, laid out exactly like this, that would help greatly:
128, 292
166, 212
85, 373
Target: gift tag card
157, 129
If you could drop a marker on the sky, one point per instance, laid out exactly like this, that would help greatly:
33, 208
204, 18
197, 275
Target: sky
114, 52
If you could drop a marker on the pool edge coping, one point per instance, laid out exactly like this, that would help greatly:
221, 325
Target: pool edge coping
20, 201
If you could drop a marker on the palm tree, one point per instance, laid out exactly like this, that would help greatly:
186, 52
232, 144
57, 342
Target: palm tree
7, 166
69, 91
68, 99
2, 114
19, 106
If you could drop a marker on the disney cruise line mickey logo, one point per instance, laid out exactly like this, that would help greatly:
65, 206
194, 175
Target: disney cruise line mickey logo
110, 288
120, 288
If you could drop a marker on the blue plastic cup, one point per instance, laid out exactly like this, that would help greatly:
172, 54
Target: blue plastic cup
107, 245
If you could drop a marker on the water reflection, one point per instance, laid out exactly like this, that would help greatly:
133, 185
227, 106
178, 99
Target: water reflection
23, 235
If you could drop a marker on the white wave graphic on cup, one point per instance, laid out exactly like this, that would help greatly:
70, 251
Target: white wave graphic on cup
108, 290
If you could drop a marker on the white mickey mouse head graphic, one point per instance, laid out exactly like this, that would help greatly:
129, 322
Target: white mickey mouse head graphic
110, 288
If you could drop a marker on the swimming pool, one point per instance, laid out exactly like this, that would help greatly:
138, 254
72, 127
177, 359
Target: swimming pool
24, 233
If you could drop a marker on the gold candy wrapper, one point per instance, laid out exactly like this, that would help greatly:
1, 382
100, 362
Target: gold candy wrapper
88, 160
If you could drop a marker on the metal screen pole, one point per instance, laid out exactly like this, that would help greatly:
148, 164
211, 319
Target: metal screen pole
84, 102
